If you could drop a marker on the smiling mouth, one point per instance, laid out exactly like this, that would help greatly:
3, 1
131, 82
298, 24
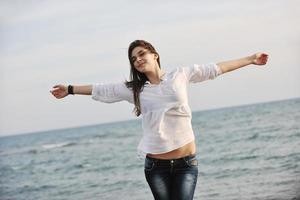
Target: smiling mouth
141, 65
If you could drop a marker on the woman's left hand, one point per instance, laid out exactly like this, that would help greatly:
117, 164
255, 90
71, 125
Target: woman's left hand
260, 58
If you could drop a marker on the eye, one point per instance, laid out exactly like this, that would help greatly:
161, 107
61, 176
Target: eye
142, 53
133, 59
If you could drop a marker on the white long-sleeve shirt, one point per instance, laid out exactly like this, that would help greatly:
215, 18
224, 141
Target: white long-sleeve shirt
166, 115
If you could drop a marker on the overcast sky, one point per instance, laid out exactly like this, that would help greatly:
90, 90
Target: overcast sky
44, 43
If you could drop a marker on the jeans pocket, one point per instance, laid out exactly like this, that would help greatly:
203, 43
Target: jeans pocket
149, 164
193, 162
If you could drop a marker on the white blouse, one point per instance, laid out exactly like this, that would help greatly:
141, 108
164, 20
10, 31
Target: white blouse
166, 115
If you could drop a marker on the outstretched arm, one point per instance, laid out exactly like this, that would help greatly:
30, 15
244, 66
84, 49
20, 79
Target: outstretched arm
61, 91
256, 59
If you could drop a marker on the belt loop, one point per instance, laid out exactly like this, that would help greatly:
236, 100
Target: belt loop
172, 165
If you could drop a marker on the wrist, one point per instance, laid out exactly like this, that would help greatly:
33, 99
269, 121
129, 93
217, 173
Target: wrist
70, 89
251, 59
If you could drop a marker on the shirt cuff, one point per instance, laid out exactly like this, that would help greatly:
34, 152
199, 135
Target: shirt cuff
218, 69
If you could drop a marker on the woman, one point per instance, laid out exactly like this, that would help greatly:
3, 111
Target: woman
168, 144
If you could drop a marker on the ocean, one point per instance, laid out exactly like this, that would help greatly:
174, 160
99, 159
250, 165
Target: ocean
245, 152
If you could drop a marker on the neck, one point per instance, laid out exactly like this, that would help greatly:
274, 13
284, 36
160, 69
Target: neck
155, 76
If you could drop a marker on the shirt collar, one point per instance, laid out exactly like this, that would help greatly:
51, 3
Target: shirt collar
162, 78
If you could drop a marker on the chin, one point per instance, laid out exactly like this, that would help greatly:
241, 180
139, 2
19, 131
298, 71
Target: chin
142, 70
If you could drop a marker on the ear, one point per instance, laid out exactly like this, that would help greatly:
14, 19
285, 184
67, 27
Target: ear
155, 56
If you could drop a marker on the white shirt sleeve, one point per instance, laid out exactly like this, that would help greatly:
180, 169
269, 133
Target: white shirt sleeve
203, 72
113, 92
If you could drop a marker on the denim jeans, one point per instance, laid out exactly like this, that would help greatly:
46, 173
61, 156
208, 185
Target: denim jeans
174, 179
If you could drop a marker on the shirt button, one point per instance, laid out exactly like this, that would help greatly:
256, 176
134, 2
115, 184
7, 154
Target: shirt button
172, 161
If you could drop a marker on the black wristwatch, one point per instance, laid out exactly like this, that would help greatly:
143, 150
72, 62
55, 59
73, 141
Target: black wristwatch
70, 89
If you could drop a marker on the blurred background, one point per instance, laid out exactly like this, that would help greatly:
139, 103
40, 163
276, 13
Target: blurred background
246, 122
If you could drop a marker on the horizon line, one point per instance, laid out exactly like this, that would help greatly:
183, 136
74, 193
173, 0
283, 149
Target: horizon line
119, 121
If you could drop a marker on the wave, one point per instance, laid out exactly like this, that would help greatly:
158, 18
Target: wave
32, 151
58, 145
253, 137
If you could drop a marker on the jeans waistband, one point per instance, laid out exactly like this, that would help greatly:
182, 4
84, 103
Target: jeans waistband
177, 160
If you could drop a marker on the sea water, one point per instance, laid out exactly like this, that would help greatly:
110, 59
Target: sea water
244, 152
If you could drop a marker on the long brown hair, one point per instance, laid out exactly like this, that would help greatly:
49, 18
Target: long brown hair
137, 79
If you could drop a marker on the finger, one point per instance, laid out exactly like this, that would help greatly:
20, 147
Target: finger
54, 90
58, 96
264, 55
56, 86
54, 94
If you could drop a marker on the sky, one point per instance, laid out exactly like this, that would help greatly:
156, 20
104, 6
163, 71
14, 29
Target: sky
44, 43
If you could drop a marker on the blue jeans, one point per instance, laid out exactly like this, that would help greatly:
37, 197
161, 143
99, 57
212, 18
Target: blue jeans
174, 179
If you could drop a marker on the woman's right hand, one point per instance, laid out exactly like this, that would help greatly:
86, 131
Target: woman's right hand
60, 91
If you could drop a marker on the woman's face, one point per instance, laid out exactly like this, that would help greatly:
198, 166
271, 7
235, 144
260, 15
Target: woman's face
143, 60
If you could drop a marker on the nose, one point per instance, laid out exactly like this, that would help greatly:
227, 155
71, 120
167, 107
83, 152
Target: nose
138, 58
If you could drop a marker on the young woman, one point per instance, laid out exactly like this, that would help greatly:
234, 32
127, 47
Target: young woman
168, 145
